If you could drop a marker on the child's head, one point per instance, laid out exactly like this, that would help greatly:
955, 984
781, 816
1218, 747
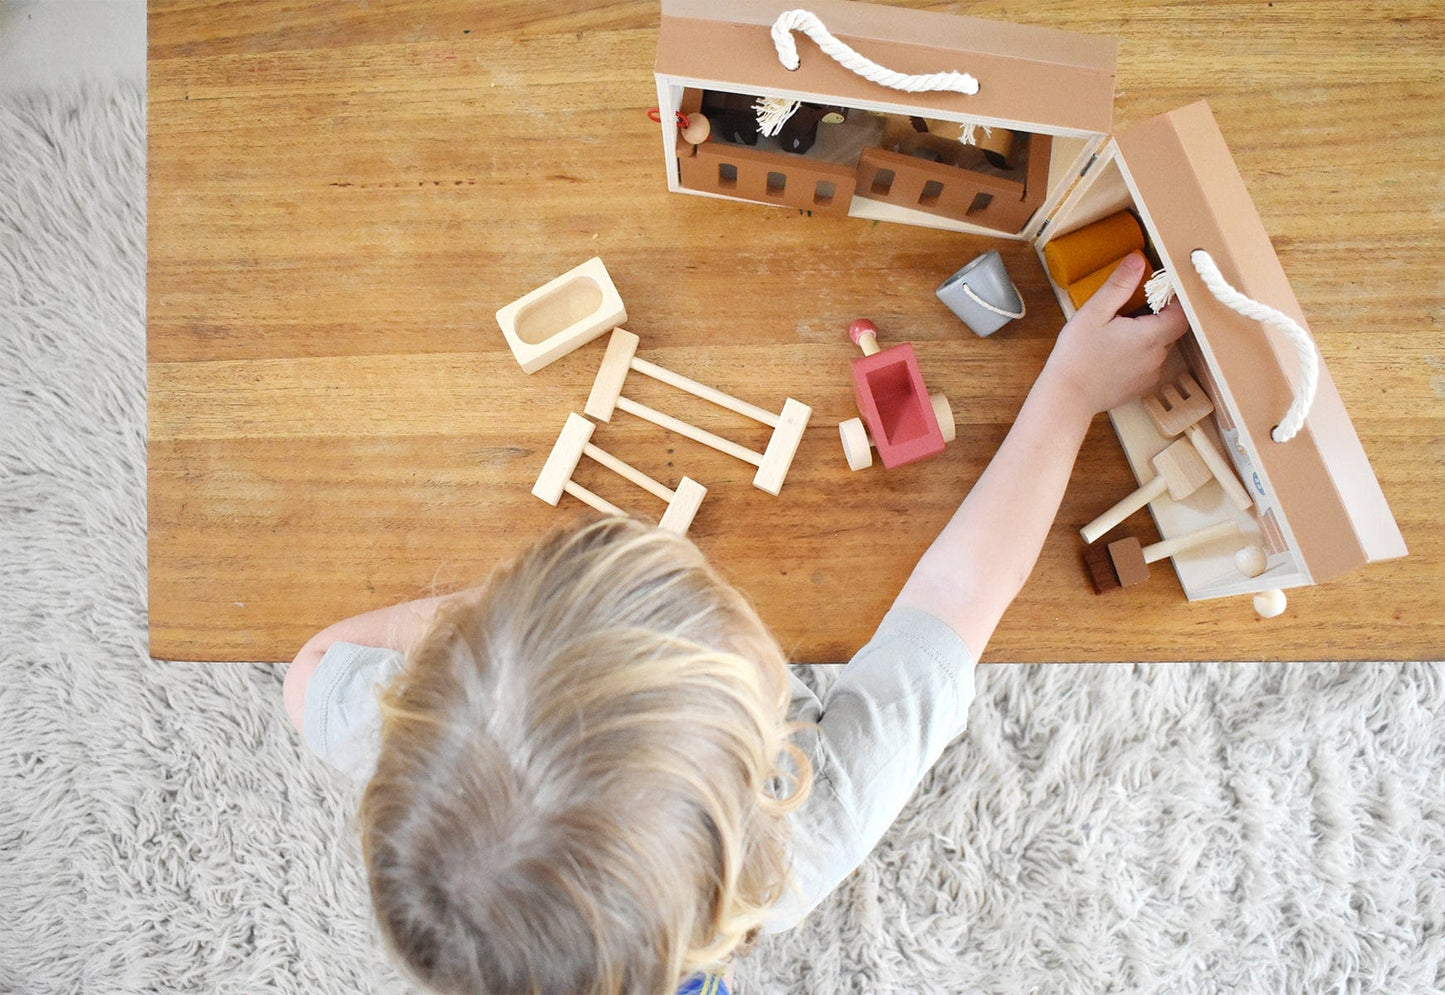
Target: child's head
578, 788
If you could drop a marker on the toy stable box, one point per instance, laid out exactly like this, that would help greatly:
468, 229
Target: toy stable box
872, 152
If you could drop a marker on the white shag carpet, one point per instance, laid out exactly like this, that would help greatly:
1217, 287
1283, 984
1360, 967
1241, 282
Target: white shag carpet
1122, 828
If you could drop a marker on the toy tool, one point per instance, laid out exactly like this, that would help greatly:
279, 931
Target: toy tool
1181, 407
772, 463
1178, 470
899, 417
1125, 562
574, 442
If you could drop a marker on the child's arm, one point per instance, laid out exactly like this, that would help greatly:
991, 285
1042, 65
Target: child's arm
983, 556
905, 695
394, 628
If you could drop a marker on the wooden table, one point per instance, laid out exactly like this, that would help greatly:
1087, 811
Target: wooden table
342, 196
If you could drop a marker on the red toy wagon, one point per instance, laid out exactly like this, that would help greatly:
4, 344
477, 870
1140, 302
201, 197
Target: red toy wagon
899, 417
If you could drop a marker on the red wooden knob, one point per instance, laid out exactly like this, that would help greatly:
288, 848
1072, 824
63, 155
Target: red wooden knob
861, 327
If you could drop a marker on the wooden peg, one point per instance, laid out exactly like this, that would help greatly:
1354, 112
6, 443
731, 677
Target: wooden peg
773, 463
574, 442
1181, 408
864, 335
1178, 470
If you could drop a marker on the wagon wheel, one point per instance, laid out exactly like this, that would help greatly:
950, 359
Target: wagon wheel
944, 413
856, 445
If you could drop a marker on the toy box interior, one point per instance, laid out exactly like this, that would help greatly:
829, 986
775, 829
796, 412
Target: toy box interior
1043, 164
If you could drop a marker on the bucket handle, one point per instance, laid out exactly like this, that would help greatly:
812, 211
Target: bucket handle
1023, 308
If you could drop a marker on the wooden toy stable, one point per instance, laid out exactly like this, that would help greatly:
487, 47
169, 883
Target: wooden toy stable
1318, 510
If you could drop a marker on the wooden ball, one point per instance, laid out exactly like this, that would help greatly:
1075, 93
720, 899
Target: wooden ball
1270, 604
697, 130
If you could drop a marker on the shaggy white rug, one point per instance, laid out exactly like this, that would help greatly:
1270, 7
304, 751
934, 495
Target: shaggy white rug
1100, 828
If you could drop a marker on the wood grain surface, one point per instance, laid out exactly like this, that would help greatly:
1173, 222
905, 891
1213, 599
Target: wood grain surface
341, 196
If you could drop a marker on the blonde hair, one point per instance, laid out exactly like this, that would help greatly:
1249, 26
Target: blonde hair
584, 774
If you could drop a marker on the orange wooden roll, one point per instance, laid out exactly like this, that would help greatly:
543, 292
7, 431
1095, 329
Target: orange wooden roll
1079, 254
1081, 290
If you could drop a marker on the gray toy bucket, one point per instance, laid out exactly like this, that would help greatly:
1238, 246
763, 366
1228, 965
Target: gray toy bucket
982, 295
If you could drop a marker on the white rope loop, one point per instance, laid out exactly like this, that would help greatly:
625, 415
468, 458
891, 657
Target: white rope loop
808, 23
1309, 357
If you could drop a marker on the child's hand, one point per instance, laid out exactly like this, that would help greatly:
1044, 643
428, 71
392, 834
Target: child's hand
1102, 360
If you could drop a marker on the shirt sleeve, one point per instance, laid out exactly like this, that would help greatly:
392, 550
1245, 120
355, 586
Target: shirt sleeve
342, 720
883, 724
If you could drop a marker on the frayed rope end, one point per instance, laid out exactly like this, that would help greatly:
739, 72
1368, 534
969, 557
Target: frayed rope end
1159, 290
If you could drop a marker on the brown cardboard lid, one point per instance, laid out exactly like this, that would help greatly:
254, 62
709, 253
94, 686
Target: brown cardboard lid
1192, 196
1062, 81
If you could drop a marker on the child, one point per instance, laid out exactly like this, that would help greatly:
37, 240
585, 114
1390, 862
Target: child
596, 774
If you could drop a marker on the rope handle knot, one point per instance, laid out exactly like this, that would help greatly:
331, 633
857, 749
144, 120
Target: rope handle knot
808, 23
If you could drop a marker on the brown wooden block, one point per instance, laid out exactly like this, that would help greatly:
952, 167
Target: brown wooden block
1100, 569
1127, 555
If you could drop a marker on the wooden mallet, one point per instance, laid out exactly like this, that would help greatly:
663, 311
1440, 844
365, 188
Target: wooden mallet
1180, 408
1125, 562
574, 442
787, 427
1178, 470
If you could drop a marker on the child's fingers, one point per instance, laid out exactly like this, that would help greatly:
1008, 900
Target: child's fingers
1166, 326
1115, 291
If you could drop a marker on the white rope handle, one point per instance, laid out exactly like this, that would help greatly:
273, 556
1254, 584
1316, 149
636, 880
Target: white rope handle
1309, 357
1023, 308
808, 23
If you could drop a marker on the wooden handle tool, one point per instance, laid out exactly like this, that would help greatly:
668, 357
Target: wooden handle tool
1178, 470
1180, 408
1125, 562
